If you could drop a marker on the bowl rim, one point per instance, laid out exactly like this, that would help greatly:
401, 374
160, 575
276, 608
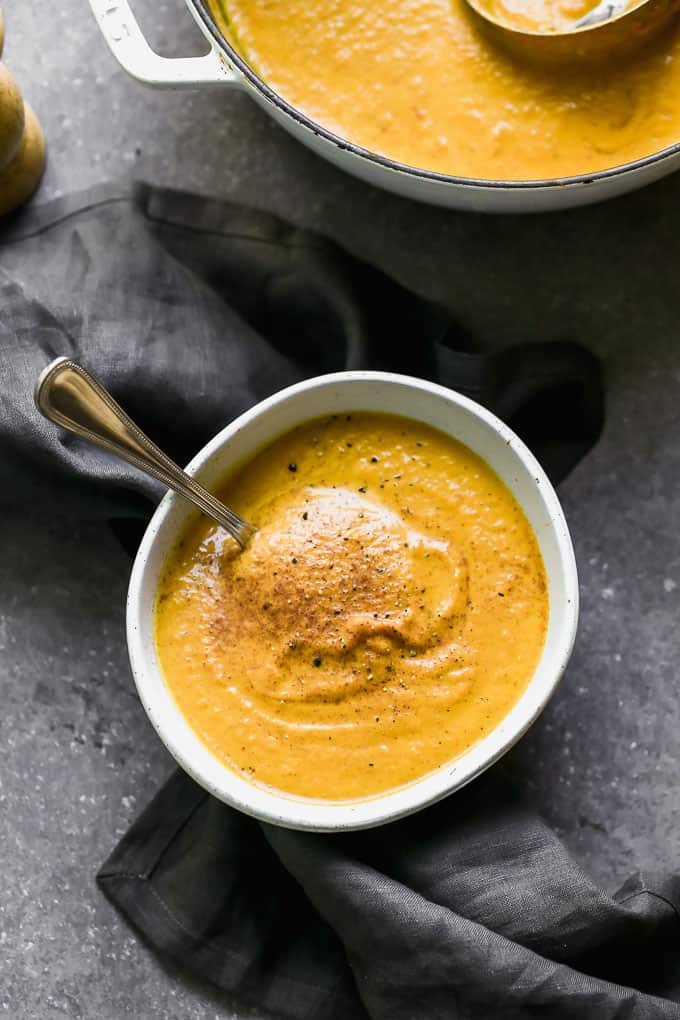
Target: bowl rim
277, 807
206, 21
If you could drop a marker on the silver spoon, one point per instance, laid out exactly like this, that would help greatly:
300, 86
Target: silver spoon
69, 396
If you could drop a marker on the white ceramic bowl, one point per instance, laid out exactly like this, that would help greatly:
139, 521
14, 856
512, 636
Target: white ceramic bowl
342, 392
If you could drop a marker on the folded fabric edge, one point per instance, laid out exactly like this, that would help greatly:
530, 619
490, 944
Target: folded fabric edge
126, 879
149, 915
145, 910
140, 849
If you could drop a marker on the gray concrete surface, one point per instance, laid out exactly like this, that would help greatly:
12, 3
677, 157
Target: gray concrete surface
78, 756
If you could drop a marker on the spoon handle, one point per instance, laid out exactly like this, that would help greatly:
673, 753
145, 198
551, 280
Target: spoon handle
69, 396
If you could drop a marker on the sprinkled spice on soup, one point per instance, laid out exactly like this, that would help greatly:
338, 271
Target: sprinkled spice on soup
387, 615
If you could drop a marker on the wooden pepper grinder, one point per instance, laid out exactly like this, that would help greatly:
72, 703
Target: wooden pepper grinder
22, 145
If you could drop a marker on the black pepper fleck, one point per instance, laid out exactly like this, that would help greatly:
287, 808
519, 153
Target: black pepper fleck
316, 661
292, 467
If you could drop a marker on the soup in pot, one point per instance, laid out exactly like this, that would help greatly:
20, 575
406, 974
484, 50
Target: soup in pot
389, 612
416, 81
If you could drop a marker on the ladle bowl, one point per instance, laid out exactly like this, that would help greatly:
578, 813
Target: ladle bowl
614, 28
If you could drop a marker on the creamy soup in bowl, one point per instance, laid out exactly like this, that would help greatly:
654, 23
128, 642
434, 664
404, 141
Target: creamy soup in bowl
403, 613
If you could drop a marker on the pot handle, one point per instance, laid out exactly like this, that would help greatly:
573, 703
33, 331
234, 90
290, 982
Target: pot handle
130, 48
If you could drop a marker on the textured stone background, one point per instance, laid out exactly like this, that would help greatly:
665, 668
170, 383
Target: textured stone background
78, 757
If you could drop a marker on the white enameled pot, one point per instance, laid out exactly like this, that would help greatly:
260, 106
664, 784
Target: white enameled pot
223, 66
338, 393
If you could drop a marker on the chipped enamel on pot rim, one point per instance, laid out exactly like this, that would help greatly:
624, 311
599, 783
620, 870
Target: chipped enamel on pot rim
342, 392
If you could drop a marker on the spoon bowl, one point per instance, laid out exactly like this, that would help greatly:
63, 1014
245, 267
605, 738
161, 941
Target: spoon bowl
67, 395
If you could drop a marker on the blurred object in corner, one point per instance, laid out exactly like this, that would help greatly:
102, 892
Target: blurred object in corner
22, 145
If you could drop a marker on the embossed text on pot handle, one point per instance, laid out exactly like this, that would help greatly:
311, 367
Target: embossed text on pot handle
130, 48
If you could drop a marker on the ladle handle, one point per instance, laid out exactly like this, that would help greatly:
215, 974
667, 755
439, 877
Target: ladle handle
69, 396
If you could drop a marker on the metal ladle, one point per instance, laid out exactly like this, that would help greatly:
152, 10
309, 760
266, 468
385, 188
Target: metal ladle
69, 396
612, 27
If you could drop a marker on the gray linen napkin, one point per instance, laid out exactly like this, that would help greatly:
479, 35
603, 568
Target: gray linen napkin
190, 311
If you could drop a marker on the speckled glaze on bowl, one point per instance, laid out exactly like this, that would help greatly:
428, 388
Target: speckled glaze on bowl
342, 392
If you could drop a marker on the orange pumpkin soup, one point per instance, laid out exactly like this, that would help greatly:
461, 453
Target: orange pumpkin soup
417, 81
388, 613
